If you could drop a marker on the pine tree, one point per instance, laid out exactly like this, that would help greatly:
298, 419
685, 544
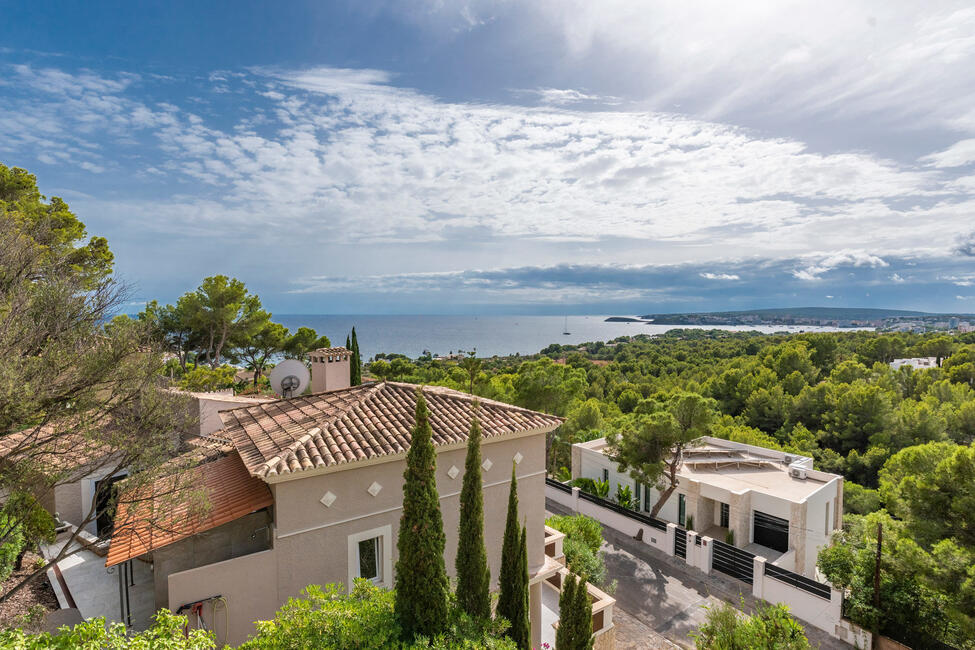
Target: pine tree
355, 374
473, 573
422, 588
513, 579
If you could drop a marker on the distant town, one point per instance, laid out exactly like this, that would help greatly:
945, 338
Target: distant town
887, 320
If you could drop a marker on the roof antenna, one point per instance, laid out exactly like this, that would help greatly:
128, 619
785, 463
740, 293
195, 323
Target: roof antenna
290, 378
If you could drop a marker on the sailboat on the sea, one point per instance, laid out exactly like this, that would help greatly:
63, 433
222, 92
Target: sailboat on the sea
565, 327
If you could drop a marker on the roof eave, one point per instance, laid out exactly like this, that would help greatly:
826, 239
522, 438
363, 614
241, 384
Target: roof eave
266, 475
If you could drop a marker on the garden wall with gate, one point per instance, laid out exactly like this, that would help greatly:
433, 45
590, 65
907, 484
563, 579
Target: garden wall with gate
815, 603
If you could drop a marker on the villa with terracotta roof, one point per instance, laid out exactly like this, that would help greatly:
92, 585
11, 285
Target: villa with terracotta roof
308, 490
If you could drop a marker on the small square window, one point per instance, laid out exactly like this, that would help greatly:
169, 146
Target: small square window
369, 559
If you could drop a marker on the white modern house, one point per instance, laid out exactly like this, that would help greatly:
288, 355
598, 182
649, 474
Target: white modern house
774, 504
918, 363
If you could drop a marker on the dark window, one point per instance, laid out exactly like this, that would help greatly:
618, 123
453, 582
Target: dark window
681, 509
104, 504
724, 515
605, 474
646, 498
636, 494
369, 559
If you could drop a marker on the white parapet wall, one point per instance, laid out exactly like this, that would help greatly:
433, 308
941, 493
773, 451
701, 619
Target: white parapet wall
822, 613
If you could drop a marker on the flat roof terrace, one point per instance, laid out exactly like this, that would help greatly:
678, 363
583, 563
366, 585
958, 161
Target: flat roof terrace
775, 482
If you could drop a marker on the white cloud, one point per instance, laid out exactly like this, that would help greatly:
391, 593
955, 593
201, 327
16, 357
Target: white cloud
823, 263
958, 154
900, 63
720, 276
344, 155
896, 278
566, 96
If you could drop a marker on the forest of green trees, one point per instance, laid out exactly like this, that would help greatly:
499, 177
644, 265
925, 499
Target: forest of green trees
901, 438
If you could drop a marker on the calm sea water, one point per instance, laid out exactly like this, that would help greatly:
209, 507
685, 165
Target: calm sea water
491, 335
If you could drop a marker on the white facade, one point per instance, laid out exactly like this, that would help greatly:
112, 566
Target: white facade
774, 504
918, 363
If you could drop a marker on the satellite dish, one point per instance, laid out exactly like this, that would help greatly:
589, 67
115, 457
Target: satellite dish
289, 378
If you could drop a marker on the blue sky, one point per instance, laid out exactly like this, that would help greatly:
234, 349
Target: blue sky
543, 156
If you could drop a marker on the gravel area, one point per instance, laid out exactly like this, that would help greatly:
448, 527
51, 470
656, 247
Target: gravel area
28, 606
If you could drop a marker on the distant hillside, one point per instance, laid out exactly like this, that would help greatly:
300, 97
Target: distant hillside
828, 313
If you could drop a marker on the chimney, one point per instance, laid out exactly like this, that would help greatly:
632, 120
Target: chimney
330, 369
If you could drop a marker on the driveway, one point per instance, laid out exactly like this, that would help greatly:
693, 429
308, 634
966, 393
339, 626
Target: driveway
664, 602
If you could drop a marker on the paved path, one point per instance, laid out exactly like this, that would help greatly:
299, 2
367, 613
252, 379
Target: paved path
660, 598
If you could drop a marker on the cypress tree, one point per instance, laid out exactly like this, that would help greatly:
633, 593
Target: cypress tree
521, 632
575, 616
356, 370
348, 343
513, 579
583, 614
473, 573
565, 635
422, 588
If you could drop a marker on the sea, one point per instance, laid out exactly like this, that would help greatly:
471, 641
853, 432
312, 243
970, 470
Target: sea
489, 335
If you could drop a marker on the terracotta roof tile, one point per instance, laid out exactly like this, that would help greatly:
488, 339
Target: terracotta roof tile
358, 423
170, 513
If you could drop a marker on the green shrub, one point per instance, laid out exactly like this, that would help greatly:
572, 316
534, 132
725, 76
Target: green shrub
726, 628
326, 617
583, 539
592, 486
9, 550
166, 633
624, 496
582, 561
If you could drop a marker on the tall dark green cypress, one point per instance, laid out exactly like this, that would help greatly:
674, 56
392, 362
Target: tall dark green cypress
521, 631
565, 635
583, 615
473, 573
422, 588
575, 616
513, 579
355, 374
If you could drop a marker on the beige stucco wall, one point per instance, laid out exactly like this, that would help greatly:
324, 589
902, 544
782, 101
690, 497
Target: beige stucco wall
67, 502
247, 585
248, 534
313, 540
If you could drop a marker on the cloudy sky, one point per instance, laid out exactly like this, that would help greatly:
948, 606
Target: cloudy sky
535, 157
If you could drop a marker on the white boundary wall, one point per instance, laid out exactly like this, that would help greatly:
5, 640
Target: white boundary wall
820, 613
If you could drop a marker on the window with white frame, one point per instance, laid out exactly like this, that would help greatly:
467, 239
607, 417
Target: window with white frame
370, 556
370, 553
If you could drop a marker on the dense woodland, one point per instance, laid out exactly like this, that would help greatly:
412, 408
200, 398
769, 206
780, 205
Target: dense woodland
902, 439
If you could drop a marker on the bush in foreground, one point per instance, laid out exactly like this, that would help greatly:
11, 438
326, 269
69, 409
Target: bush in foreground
326, 617
770, 628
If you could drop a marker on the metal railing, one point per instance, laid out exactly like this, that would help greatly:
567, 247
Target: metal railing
802, 582
680, 543
732, 561
558, 485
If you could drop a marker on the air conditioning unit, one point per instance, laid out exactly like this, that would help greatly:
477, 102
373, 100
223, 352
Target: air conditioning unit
797, 472
787, 459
